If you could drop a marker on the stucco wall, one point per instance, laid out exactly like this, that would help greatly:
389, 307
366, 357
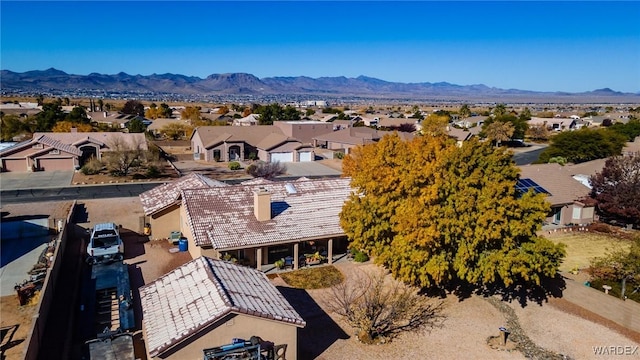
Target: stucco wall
194, 250
237, 326
164, 222
197, 146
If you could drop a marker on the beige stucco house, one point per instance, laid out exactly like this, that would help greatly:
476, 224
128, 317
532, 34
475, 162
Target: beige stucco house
285, 141
65, 151
206, 303
565, 191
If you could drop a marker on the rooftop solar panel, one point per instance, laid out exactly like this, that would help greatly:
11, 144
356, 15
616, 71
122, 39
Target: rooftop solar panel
524, 185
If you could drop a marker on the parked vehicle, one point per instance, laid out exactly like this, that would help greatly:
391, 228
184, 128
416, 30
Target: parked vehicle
105, 244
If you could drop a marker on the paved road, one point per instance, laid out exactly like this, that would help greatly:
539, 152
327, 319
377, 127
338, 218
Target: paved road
524, 156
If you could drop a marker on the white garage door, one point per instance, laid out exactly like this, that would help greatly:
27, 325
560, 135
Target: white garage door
282, 157
306, 156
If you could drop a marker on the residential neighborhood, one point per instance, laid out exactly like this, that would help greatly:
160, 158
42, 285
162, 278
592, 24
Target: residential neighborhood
209, 248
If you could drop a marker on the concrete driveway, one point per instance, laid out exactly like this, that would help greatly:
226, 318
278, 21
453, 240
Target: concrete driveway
35, 180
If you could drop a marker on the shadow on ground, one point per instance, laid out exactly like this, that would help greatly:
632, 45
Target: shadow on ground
520, 292
320, 332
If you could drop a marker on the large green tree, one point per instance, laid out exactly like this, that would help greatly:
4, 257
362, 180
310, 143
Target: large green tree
584, 145
436, 214
51, 113
133, 107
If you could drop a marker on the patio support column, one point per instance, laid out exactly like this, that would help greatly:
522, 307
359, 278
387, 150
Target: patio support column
330, 251
259, 258
295, 256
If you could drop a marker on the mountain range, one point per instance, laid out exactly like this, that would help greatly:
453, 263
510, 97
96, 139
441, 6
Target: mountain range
53, 80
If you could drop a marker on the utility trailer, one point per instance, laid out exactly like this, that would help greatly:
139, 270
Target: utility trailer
253, 349
109, 298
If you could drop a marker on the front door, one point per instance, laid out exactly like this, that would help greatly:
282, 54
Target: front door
234, 153
557, 217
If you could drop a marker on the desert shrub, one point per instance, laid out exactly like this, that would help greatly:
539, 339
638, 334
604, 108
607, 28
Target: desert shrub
266, 170
234, 165
253, 156
558, 159
359, 256
92, 167
153, 171
600, 227
339, 155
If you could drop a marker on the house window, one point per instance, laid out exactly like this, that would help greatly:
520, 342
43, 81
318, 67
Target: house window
216, 155
576, 213
54, 152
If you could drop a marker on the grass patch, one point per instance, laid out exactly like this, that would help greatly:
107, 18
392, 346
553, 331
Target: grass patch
314, 278
616, 288
583, 246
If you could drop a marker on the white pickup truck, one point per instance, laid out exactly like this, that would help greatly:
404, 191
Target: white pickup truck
105, 244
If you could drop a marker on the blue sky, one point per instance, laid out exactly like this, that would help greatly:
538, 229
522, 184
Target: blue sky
543, 46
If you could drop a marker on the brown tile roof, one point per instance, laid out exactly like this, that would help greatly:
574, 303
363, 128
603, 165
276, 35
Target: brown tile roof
187, 300
359, 135
557, 180
224, 218
107, 138
461, 134
273, 140
57, 144
214, 135
167, 194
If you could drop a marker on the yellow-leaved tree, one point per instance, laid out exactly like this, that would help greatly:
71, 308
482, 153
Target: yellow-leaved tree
65, 126
438, 215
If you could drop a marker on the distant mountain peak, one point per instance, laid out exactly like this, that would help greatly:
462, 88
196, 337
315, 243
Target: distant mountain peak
56, 81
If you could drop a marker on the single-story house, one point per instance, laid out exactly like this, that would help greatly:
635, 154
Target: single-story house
21, 109
233, 143
472, 121
249, 120
557, 124
347, 139
206, 303
259, 222
162, 204
564, 190
65, 151
114, 120
462, 135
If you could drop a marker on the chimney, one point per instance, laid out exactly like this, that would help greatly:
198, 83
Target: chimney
262, 204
